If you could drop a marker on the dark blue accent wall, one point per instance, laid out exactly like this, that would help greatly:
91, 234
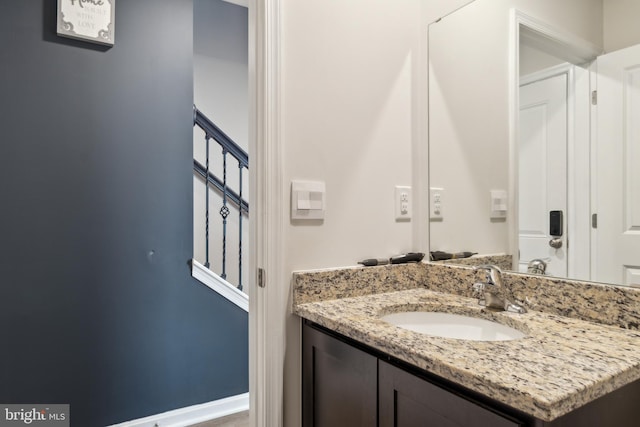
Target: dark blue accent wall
97, 305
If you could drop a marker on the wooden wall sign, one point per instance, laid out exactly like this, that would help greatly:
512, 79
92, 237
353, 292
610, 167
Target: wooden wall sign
90, 20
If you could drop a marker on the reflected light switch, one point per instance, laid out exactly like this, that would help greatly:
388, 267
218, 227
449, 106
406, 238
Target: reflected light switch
498, 204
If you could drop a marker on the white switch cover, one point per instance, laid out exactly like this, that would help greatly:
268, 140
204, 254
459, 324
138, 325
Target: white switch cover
403, 202
436, 203
307, 200
499, 204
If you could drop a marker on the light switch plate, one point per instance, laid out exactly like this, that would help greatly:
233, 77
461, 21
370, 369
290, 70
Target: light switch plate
307, 200
499, 201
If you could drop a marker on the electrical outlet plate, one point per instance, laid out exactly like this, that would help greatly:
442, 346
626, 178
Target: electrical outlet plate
436, 203
403, 203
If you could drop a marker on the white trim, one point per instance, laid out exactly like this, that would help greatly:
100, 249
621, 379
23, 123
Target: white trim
557, 42
420, 145
579, 177
514, 109
218, 284
243, 3
572, 237
547, 73
267, 306
593, 109
193, 414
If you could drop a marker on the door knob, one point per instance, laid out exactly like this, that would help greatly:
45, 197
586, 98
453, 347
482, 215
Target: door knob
555, 243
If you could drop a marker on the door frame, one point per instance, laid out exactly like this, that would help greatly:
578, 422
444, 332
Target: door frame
266, 304
575, 51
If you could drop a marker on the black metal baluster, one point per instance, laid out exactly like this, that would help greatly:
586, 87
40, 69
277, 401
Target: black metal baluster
240, 228
228, 194
206, 189
224, 212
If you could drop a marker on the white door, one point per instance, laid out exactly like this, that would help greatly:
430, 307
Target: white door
617, 251
542, 173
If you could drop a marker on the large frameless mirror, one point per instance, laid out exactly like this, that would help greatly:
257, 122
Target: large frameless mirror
524, 162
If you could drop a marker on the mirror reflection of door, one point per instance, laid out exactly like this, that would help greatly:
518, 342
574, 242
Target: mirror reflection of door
542, 169
553, 154
617, 256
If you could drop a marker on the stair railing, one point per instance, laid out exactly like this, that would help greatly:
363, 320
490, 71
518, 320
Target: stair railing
229, 196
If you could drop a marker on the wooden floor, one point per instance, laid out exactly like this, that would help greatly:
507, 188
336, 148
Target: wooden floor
240, 419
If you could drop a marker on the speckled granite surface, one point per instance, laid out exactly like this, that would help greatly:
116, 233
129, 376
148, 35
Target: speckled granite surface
559, 366
502, 261
583, 340
321, 285
611, 305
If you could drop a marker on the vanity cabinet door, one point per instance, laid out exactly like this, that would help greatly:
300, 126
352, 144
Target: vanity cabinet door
406, 400
339, 383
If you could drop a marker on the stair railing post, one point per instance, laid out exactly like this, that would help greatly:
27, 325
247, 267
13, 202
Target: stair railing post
224, 212
240, 227
206, 189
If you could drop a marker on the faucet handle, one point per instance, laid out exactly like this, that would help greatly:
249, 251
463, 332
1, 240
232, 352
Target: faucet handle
487, 267
494, 274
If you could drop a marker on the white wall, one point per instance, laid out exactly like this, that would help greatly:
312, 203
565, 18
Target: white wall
220, 60
621, 28
533, 59
354, 115
469, 115
354, 93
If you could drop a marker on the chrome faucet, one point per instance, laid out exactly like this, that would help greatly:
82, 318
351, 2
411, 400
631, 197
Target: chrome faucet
492, 293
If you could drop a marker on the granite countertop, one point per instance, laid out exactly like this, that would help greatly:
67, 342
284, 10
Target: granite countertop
561, 364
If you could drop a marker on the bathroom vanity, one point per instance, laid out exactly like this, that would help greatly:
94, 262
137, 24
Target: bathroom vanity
359, 370
347, 385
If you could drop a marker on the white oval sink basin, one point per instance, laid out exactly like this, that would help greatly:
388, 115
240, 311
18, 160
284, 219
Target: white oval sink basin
453, 326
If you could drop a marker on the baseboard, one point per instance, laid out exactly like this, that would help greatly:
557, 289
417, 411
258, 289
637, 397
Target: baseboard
218, 284
193, 414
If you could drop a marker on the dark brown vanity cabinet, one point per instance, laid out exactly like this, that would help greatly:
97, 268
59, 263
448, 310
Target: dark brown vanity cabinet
344, 386
339, 383
405, 400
